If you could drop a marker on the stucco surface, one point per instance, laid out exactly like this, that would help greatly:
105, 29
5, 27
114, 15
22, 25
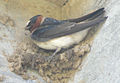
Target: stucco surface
102, 63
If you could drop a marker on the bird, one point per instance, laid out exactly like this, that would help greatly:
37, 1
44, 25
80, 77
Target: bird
52, 34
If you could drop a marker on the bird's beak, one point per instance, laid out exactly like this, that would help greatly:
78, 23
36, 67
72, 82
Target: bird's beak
27, 28
27, 32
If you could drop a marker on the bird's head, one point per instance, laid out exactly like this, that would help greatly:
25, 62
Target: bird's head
34, 23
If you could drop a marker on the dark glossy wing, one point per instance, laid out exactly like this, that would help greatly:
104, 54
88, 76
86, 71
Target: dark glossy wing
52, 21
53, 31
92, 15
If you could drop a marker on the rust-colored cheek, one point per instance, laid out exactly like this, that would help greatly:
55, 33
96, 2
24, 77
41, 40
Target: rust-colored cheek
37, 23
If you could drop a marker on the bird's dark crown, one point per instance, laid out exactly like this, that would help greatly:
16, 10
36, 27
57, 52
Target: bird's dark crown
34, 23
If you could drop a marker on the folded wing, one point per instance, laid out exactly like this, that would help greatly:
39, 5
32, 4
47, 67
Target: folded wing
67, 28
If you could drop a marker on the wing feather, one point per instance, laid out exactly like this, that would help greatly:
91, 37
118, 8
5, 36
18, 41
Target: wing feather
54, 31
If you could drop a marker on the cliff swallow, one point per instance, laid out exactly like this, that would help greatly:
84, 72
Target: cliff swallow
51, 34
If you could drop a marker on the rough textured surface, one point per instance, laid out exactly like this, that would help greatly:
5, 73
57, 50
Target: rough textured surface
102, 64
59, 70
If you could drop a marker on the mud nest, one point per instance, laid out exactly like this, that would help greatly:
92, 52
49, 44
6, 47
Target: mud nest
59, 70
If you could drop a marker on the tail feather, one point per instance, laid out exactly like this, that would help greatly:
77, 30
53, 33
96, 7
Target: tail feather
92, 15
83, 26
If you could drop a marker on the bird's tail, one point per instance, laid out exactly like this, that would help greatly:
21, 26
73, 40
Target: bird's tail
90, 16
82, 26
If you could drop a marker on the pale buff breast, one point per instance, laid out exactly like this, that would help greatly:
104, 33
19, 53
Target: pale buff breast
63, 42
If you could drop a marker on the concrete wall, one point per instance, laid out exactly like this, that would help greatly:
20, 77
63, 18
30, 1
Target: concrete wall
102, 63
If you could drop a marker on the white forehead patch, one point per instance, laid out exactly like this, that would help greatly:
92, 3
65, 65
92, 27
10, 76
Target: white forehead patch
27, 22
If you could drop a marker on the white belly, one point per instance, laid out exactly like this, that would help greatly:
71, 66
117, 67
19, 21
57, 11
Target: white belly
63, 42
